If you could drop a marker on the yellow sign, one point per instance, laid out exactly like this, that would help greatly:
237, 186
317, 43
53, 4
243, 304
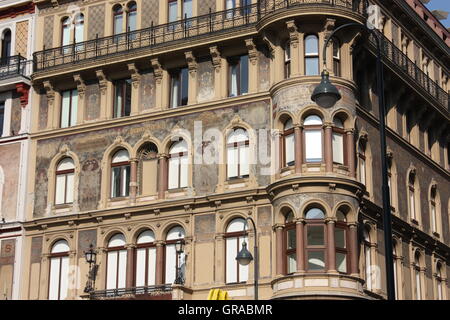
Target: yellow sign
218, 294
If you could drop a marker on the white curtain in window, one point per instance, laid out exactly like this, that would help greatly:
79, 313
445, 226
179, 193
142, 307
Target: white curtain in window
232, 162
338, 148
234, 81
60, 188
59, 278
74, 108
65, 110
175, 91
313, 142
232, 266
66, 32
117, 268
118, 20
174, 172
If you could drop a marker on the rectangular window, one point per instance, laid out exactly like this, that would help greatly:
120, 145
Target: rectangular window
187, 9
116, 269
341, 249
338, 148
179, 87
289, 147
122, 98
120, 181
313, 140
69, 108
2, 116
237, 160
433, 217
315, 247
173, 10
234, 271
238, 76
362, 169
291, 245
145, 266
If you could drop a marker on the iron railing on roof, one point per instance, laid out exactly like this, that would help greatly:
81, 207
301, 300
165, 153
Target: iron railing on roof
14, 66
187, 28
131, 292
409, 69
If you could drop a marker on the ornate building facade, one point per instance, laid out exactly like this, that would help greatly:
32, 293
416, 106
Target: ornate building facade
16, 21
155, 121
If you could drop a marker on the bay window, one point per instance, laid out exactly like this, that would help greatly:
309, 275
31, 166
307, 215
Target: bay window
234, 237
173, 259
178, 165
313, 138
315, 242
145, 259
120, 174
69, 108
59, 271
179, 87
340, 236
64, 188
290, 244
338, 142
238, 75
122, 98
238, 154
116, 262
288, 144
311, 55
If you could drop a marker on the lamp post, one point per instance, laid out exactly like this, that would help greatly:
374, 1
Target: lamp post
91, 258
179, 247
244, 257
326, 95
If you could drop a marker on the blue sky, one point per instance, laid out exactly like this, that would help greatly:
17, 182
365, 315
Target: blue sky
440, 5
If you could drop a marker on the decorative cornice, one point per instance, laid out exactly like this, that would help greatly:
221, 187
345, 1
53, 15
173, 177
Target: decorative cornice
252, 51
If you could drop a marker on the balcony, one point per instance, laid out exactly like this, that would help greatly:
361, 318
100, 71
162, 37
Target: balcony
15, 67
186, 29
159, 292
400, 63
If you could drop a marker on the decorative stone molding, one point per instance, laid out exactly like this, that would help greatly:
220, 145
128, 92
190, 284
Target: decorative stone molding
293, 33
267, 39
157, 70
252, 51
157, 212
329, 26
192, 63
216, 58
50, 91
118, 140
135, 75
127, 215
81, 86
23, 90
102, 81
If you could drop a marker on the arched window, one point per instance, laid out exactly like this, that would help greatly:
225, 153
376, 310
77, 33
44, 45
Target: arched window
362, 170
412, 196
131, 16
117, 19
417, 276
315, 240
288, 143
145, 259
235, 236
79, 28
173, 259
120, 174
59, 271
397, 268
312, 55
65, 179
440, 283
336, 57
65, 31
238, 154
6, 45
290, 244
435, 211
367, 257
148, 169
338, 141
178, 165
287, 59
313, 138
116, 263
341, 240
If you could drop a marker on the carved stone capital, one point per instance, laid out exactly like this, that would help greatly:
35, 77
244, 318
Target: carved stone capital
102, 81
216, 58
157, 70
49, 90
328, 26
252, 51
81, 86
135, 75
293, 33
192, 63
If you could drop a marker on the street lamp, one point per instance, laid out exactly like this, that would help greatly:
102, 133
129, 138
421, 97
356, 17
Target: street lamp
91, 258
179, 247
244, 257
325, 96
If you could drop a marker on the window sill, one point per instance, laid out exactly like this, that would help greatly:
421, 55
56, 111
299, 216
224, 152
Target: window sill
117, 199
236, 180
288, 168
176, 190
62, 206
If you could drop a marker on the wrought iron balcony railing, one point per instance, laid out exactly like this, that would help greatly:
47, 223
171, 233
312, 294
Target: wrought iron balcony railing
409, 69
183, 29
15, 66
125, 293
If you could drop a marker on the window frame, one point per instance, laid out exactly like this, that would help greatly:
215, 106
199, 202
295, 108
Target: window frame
310, 56
177, 75
287, 59
315, 127
122, 88
179, 155
123, 165
237, 146
116, 250
69, 120
65, 173
286, 133
336, 57
343, 226
237, 235
146, 246
288, 252
315, 248
59, 256
236, 62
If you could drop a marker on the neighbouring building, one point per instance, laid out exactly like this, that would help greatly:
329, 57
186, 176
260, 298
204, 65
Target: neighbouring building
16, 44
155, 121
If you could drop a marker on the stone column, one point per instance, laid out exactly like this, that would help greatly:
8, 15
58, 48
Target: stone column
353, 247
252, 66
279, 245
217, 64
105, 95
135, 84
192, 86
159, 272
163, 175
295, 52
300, 233
328, 146
133, 179
81, 88
331, 246
350, 144
158, 73
129, 282
298, 132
